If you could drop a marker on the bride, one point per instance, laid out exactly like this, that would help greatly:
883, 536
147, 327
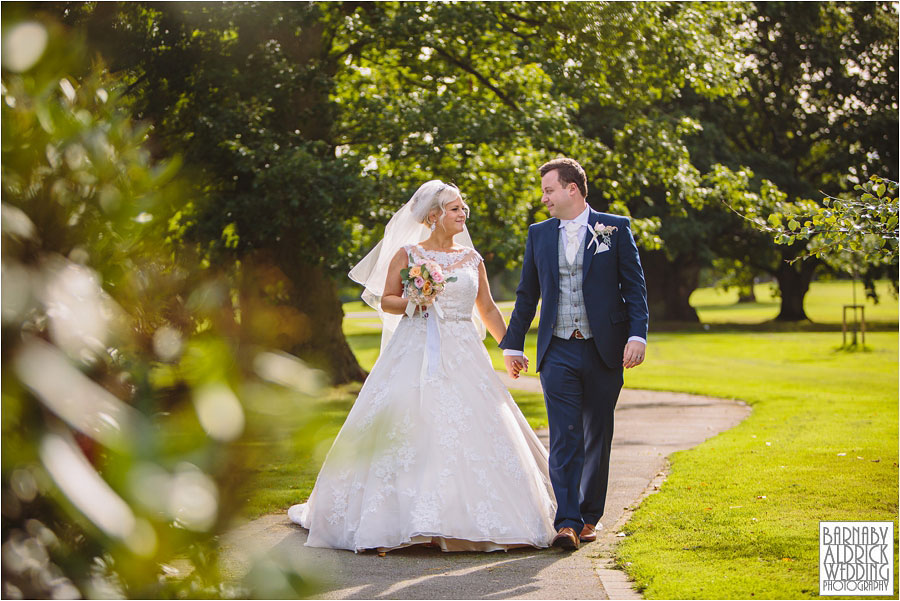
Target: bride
434, 450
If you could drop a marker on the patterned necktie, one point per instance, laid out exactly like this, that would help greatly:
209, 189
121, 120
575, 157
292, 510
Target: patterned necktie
572, 230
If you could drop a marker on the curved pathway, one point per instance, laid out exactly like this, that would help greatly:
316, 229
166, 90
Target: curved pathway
649, 426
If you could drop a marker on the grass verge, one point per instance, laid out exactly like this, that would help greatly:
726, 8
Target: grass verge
738, 516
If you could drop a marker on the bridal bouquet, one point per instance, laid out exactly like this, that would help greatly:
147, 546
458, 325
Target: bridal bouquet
423, 281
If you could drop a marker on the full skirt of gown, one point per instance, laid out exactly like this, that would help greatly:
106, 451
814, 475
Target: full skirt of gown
432, 454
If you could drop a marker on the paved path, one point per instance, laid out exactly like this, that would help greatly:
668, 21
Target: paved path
649, 426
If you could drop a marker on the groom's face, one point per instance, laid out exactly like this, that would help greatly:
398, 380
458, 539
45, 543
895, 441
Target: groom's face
560, 199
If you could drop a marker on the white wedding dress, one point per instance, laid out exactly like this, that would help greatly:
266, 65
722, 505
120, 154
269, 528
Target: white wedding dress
440, 455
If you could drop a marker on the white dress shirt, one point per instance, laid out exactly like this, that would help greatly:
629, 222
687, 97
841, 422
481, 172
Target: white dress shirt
582, 220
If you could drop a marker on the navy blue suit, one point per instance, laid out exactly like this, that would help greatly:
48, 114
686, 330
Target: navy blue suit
581, 378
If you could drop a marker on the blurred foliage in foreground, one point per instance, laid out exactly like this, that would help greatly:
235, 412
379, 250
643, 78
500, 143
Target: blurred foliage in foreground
128, 376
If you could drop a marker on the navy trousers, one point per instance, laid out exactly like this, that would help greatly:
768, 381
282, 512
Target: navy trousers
581, 393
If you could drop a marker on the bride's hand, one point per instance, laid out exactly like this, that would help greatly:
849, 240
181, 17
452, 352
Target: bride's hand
424, 305
427, 302
515, 364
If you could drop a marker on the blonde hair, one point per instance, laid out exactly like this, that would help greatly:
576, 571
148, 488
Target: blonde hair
434, 194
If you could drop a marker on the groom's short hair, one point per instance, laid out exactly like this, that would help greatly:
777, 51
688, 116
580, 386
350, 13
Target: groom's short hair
568, 171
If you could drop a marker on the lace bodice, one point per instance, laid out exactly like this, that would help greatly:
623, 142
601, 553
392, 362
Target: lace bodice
458, 298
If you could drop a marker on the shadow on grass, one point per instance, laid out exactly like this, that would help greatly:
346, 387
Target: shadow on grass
281, 463
766, 326
853, 348
738, 306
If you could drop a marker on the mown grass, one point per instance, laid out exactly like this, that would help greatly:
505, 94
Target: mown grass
738, 515
823, 303
282, 463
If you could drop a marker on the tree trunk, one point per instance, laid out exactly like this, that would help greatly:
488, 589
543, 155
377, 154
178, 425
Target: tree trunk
669, 287
746, 294
294, 306
317, 296
793, 282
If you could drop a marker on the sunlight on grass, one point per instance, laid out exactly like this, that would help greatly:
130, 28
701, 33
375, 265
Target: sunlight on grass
358, 307
740, 512
823, 303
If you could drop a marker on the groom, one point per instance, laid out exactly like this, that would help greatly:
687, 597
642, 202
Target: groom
585, 266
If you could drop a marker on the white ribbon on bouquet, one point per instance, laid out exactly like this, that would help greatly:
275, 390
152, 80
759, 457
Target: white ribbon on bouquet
432, 336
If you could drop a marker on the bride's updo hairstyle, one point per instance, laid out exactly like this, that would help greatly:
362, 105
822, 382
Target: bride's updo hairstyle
434, 195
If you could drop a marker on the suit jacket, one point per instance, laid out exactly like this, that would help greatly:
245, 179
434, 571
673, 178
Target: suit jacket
615, 294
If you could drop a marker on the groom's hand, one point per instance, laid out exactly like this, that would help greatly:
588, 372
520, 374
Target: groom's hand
515, 364
634, 354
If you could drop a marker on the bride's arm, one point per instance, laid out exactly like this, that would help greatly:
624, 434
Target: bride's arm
392, 300
487, 308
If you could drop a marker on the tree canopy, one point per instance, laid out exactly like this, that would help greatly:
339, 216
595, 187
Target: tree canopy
308, 124
818, 102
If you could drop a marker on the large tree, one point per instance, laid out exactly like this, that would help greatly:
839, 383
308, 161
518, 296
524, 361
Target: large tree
635, 106
244, 93
310, 123
819, 101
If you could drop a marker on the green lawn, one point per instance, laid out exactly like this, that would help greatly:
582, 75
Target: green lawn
738, 516
282, 463
823, 303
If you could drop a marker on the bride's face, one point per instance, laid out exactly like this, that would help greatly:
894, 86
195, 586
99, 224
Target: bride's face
454, 217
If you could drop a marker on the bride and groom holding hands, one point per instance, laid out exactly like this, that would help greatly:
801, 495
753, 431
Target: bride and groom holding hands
435, 451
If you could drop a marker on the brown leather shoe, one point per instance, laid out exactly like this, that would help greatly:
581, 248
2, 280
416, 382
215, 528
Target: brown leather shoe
565, 539
588, 534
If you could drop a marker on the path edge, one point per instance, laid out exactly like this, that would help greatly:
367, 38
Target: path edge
616, 582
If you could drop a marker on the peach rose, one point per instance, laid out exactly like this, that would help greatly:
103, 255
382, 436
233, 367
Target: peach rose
415, 271
426, 290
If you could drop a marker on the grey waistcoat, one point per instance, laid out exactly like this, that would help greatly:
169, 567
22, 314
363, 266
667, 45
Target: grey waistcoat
571, 313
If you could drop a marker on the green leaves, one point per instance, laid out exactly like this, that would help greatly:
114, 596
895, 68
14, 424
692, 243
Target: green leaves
866, 225
115, 330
